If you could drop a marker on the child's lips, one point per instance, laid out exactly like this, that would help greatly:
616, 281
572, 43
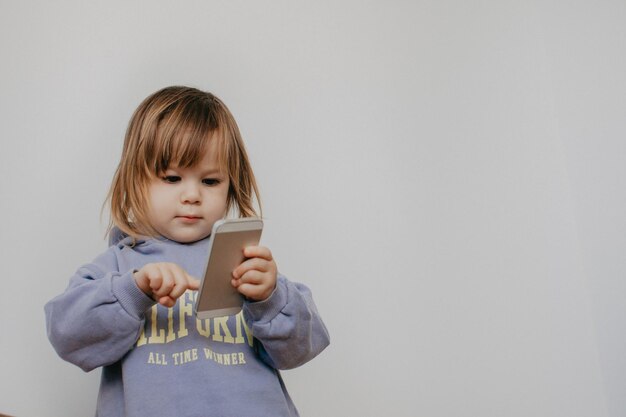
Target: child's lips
189, 219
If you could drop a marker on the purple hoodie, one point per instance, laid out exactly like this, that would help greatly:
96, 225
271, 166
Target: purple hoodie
159, 361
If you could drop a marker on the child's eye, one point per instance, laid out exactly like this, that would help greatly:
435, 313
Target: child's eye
210, 181
171, 178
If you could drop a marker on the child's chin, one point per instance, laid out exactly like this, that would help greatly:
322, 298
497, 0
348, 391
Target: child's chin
187, 237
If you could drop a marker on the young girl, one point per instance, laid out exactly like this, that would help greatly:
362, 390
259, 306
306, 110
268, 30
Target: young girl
130, 311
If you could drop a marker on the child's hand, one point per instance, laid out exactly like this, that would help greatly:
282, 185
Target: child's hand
165, 282
255, 278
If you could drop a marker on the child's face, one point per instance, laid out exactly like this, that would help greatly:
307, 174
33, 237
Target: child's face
185, 202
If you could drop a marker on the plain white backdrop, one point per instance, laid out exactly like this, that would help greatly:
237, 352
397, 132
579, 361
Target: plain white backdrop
447, 176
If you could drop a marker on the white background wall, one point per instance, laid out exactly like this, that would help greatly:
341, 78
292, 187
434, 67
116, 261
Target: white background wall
447, 176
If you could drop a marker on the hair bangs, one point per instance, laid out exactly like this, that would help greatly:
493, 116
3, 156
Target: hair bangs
183, 136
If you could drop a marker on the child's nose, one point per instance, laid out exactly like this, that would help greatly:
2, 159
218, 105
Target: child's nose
190, 194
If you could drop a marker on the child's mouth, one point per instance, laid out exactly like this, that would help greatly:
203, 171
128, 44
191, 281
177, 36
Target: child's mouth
189, 219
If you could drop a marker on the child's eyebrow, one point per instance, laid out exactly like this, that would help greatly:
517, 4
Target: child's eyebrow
208, 171
212, 171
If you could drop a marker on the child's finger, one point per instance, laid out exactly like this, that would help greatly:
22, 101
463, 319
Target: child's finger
167, 301
154, 277
258, 252
193, 283
255, 292
249, 291
180, 284
166, 281
252, 277
257, 264
182, 281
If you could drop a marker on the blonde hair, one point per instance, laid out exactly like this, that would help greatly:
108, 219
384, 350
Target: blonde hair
173, 127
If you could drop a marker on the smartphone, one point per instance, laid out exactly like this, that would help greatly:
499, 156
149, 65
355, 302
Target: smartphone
217, 297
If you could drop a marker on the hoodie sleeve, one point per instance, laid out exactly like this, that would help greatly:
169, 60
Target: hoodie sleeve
99, 317
287, 326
